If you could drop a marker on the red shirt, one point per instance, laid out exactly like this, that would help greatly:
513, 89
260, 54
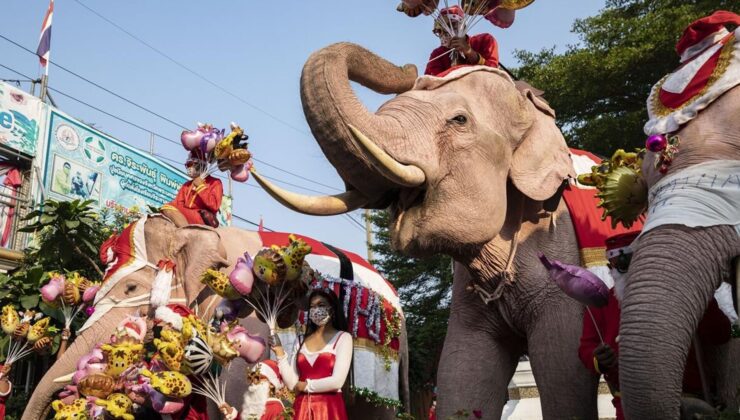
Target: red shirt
190, 200
483, 44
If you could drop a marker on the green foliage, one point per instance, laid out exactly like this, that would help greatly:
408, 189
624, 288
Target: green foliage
68, 236
600, 86
424, 286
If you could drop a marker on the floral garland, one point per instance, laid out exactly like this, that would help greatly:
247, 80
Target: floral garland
393, 330
375, 399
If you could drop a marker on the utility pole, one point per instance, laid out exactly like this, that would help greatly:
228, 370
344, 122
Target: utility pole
369, 233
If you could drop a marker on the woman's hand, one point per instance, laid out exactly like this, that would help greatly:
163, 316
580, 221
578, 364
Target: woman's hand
276, 345
301, 386
461, 45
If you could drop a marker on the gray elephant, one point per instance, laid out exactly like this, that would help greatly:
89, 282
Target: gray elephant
469, 166
193, 249
691, 235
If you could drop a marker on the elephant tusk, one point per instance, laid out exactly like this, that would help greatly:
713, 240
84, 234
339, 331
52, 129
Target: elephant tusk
327, 205
390, 168
63, 379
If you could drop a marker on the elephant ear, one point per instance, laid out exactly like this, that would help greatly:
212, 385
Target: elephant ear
194, 249
541, 161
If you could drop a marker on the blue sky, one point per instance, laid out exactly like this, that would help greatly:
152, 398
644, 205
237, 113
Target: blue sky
257, 51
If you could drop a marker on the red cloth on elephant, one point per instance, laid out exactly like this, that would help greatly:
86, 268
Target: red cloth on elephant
319, 406
196, 408
483, 44
713, 329
190, 199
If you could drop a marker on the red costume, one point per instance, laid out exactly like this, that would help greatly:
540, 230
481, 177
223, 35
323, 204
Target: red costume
319, 406
4, 397
191, 200
484, 44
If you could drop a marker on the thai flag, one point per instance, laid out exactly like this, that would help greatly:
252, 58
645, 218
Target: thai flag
45, 39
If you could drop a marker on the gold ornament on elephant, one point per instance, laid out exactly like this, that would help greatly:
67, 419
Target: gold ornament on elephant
622, 189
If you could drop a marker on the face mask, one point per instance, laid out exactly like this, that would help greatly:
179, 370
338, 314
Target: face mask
319, 315
192, 171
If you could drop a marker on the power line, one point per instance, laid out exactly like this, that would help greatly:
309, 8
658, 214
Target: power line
99, 86
193, 72
155, 114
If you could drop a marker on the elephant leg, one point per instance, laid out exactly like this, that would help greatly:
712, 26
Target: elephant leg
673, 275
567, 390
474, 373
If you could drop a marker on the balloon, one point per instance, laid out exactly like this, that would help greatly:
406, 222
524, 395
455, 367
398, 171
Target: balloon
51, 290
164, 405
191, 139
240, 173
241, 276
90, 293
250, 347
577, 282
230, 310
133, 326
207, 144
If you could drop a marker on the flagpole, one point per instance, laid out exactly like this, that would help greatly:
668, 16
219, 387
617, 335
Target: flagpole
45, 78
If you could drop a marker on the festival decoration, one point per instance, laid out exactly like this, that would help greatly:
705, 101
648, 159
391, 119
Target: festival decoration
622, 189
25, 337
375, 399
169, 383
70, 293
118, 406
219, 152
577, 282
249, 347
241, 277
77, 410
499, 12
219, 283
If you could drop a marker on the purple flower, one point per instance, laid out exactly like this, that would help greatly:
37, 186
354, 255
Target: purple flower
89, 310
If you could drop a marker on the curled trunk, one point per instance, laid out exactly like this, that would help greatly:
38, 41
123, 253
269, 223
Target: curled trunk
672, 278
330, 105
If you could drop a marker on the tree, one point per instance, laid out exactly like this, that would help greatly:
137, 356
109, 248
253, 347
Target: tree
600, 86
424, 286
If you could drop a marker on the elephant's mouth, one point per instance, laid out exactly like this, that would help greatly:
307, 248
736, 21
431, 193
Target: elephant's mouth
407, 199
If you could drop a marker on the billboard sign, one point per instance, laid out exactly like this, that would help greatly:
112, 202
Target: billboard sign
20, 119
83, 163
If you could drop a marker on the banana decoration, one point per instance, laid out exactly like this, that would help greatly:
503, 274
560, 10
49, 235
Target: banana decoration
622, 189
9, 319
169, 383
219, 283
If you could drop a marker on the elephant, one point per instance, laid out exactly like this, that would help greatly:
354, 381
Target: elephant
676, 267
470, 166
193, 249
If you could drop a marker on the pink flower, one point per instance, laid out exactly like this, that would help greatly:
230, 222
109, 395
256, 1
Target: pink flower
89, 310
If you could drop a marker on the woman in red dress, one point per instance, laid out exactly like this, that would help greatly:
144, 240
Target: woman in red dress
320, 364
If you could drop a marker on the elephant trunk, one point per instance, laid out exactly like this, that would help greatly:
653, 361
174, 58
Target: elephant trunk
673, 275
45, 391
336, 115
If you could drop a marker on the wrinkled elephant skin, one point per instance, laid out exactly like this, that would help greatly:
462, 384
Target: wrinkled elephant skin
463, 165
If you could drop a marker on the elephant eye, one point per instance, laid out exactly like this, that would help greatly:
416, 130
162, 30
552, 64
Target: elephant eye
130, 288
460, 119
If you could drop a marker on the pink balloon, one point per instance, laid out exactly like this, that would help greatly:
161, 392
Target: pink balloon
250, 347
164, 405
577, 282
90, 293
240, 173
51, 290
242, 278
191, 139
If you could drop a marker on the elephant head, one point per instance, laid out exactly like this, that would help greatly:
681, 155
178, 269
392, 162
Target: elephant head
191, 248
435, 154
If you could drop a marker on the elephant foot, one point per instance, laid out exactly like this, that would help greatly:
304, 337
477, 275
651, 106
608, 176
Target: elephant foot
694, 408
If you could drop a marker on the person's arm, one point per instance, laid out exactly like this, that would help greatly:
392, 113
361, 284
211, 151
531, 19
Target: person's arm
486, 49
289, 368
589, 341
434, 66
210, 194
341, 368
